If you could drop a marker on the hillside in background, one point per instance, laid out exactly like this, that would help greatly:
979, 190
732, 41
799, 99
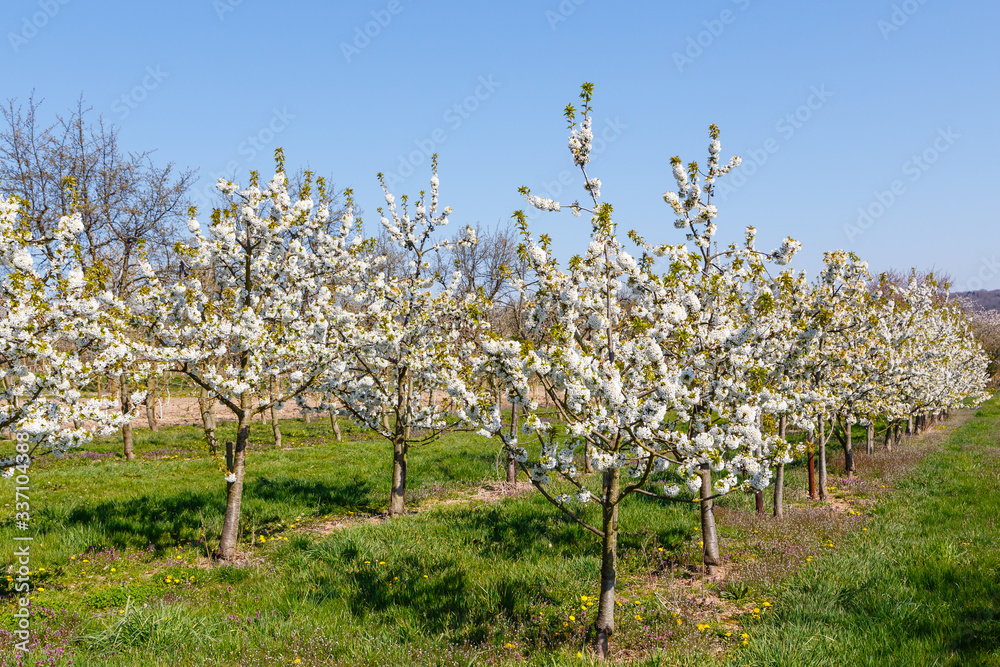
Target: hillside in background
984, 298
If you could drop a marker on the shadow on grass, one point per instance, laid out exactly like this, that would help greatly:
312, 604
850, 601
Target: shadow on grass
527, 531
453, 603
978, 634
510, 561
325, 497
162, 521
147, 520
975, 598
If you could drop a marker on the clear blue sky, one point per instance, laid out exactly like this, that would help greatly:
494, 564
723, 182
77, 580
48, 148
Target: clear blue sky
217, 85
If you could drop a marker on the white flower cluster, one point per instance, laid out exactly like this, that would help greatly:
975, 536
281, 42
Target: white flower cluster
581, 139
57, 334
543, 203
678, 376
259, 332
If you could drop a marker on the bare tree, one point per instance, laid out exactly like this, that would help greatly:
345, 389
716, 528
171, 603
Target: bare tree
890, 281
128, 204
487, 264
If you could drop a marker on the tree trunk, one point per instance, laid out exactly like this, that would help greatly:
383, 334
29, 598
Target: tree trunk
811, 463
151, 405
779, 476
709, 536
758, 501
511, 471
397, 496
207, 408
811, 466
848, 449
235, 464
126, 400
605, 624
870, 438
335, 426
909, 425
822, 460
896, 435
275, 427
779, 491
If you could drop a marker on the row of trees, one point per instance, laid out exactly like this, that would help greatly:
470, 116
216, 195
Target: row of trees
677, 368
673, 370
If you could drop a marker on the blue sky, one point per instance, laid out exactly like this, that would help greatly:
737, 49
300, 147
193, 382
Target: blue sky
869, 126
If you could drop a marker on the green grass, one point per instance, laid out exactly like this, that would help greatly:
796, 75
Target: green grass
920, 586
121, 574
175, 490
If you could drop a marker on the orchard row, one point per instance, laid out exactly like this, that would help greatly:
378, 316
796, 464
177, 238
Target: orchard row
670, 370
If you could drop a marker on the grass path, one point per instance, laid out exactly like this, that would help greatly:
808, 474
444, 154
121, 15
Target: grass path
920, 586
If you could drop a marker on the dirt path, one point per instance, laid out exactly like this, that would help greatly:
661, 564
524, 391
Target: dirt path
183, 411
487, 494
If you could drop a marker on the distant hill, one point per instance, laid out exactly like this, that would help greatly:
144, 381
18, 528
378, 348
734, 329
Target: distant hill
988, 299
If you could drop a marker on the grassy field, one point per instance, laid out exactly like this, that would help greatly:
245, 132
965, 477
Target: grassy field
920, 586
902, 570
